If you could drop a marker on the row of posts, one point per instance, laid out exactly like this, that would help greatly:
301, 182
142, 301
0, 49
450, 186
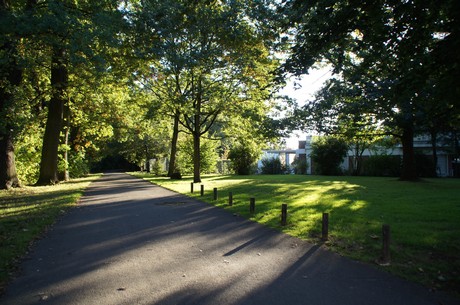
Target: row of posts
385, 259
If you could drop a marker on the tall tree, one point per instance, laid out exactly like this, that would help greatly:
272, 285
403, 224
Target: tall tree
76, 34
13, 73
51, 138
216, 54
382, 49
11, 76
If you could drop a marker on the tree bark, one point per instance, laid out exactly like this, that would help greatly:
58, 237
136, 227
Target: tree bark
175, 136
8, 174
49, 159
409, 170
196, 150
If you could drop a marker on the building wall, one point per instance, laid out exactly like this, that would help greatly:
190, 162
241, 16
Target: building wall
444, 164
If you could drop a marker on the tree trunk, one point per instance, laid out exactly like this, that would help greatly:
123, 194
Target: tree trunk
175, 136
8, 174
409, 170
196, 138
49, 159
196, 158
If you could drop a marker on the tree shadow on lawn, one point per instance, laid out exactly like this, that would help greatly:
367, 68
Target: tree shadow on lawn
357, 212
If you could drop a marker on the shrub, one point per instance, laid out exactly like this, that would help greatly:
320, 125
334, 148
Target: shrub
425, 165
78, 165
209, 156
243, 158
155, 167
382, 165
327, 155
300, 165
273, 166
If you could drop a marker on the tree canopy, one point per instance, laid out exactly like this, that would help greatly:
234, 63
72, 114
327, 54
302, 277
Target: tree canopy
386, 57
83, 80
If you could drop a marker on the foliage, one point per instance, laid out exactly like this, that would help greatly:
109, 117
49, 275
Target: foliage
425, 165
243, 156
117, 61
300, 165
211, 63
423, 238
273, 166
155, 167
28, 149
385, 62
209, 156
327, 155
382, 165
78, 165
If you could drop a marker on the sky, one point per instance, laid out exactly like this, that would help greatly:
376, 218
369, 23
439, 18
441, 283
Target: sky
309, 84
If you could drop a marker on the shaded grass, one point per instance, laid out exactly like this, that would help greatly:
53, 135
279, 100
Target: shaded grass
25, 213
424, 216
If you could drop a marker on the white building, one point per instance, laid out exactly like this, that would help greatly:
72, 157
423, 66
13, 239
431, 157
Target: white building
447, 165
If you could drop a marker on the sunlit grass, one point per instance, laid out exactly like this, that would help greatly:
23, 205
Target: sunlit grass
424, 216
26, 212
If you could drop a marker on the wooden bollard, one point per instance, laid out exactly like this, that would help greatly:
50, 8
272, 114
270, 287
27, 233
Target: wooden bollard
252, 205
230, 198
386, 259
191, 187
283, 214
215, 193
202, 190
325, 227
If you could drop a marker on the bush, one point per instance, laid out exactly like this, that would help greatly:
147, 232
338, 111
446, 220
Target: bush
300, 165
425, 166
327, 155
155, 167
382, 165
243, 158
208, 152
78, 165
273, 166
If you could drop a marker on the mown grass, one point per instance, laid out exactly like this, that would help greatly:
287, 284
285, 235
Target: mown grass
26, 212
424, 217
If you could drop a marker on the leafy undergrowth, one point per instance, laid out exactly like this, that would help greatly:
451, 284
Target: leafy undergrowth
424, 217
26, 212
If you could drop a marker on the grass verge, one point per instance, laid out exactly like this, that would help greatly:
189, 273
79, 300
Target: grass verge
26, 212
424, 217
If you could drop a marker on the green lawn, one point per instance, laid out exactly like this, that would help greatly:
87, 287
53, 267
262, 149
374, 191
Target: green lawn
25, 213
424, 217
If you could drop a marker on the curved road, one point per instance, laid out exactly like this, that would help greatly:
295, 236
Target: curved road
131, 242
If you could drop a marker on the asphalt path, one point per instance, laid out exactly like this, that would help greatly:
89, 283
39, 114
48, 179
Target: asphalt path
131, 242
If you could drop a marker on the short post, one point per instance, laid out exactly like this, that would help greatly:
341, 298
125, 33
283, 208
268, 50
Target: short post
202, 190
215, 193
325, 228
191, 187
252, 205
230, 198
385, 245
283, 214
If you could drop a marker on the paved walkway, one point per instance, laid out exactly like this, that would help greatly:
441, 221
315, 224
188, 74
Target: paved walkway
130, 242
